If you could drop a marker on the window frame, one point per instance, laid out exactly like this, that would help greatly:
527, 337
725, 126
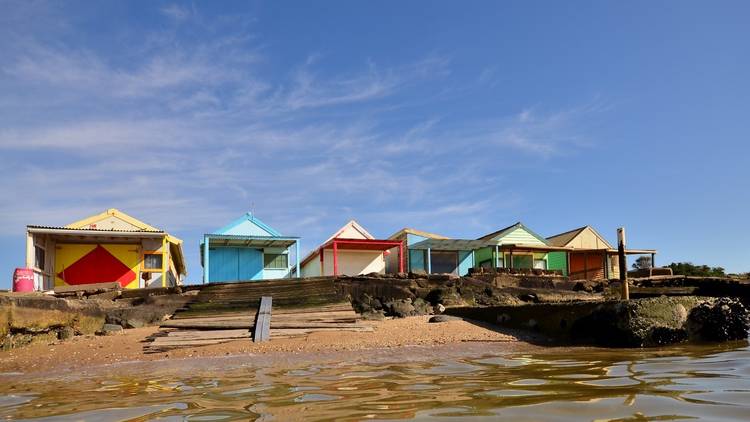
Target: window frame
36, 257
275, 257
153, 270
534, 262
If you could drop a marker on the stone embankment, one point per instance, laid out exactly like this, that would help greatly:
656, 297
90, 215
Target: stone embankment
634, 323
565, 310
402, 295
37, 317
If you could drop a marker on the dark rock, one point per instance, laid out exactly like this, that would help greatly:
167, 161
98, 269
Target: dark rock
422, 307
584, 286
724, 320
401, 308
661, 336
444, 318
108, 329
637, 323
134, 323
441, 277
66, 333
529, 297
373, 315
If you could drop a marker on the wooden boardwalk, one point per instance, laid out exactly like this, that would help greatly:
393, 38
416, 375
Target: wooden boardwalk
232, 311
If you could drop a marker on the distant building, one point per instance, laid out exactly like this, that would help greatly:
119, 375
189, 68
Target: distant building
409, 237
247, 250
107, 247
591, 257
352, 250
517, 246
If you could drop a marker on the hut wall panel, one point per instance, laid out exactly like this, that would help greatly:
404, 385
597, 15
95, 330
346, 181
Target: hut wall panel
354, 262
464, 262
558, 261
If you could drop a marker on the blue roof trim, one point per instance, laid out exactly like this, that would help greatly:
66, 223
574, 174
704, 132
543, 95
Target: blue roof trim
249, 217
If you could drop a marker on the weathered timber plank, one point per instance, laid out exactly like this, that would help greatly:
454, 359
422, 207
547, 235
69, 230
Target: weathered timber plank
227, 325
208, 334
263, 320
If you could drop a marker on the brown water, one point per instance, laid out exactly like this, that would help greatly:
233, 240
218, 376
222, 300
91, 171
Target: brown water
476, 382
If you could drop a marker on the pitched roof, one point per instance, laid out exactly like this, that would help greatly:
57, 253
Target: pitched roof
564, 239
407, 230
112, 212
450, 244
140, 227
353, 225
503, 232
248, 217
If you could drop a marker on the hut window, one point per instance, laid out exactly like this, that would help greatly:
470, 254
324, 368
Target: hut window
39, 257
444, 262
275, 261
152, 261
540, 264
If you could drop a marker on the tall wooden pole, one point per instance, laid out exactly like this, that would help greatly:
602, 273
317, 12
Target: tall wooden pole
623, 263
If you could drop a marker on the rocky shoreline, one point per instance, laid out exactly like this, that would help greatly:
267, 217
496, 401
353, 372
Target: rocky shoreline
528, 299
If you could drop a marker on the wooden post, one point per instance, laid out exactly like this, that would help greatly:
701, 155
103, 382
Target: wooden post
401, 257
653, 264
335, 258
322, 262
623, 263
429, 261
605, 265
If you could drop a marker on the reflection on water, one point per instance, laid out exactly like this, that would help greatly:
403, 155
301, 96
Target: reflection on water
580, 384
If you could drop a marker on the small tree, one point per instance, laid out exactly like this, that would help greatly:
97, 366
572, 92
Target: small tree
642, 263
690, 269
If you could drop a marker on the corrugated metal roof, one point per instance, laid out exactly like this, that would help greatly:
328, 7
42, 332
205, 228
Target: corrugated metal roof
562, 239
408, 230
450, 244
72, 229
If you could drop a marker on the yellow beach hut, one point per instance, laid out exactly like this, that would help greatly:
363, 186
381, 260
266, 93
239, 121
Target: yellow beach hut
107, 247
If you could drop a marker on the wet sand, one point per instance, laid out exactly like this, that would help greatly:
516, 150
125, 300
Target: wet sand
87, 352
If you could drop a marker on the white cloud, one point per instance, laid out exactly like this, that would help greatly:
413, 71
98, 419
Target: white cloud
188, 135
176, 12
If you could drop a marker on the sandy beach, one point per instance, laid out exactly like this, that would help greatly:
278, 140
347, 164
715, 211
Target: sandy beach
89, 351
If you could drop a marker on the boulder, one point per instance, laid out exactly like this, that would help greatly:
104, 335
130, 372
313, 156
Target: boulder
439, 308
109, 329
724, 320
443, 318
374, 315
422, 307
66, 332
401, 308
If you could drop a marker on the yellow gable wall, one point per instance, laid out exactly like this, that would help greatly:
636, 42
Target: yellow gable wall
111, 223
588, 239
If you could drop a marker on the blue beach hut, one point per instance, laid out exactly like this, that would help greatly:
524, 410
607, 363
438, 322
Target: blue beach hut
247, 250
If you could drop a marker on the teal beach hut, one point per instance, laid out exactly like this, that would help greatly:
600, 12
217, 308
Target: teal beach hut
247, 250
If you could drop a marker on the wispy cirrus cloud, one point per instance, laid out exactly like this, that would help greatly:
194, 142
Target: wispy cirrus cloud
177, 12
186, 134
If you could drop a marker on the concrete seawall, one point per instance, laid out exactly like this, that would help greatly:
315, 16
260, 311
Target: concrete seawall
635, 323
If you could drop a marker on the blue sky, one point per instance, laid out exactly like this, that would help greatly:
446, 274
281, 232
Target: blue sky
453, 117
